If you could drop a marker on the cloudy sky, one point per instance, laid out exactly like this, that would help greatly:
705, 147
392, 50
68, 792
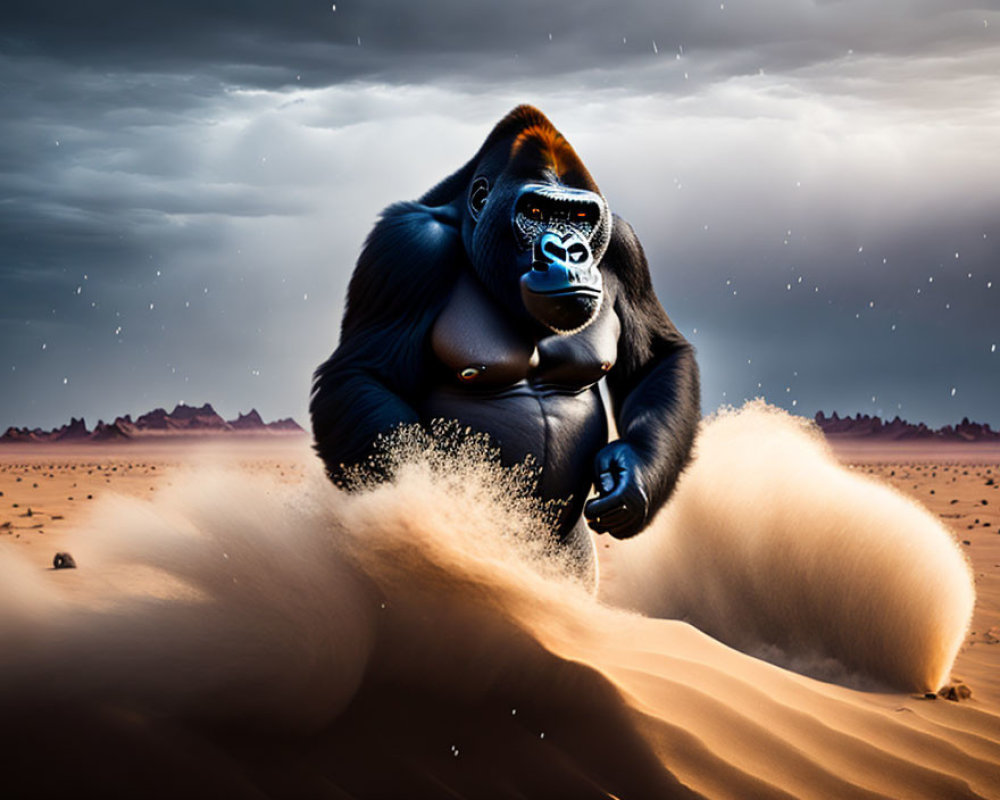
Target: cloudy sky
184, 187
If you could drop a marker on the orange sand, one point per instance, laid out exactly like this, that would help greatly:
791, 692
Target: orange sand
517, 688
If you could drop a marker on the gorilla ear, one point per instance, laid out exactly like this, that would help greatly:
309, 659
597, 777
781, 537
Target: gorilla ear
477, 196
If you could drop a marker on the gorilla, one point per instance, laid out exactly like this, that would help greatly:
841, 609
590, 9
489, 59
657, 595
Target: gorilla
501, 299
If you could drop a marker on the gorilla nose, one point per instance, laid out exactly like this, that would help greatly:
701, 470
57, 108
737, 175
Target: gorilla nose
569, 251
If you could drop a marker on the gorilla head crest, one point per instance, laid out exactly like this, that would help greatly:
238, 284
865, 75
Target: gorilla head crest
534, 224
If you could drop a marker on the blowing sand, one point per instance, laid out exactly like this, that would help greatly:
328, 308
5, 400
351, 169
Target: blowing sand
237, 627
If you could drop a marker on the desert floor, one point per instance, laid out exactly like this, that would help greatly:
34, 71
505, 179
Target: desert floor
960, 484
46, 492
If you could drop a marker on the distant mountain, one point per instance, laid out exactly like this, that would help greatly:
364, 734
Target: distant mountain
866, 427
184, 420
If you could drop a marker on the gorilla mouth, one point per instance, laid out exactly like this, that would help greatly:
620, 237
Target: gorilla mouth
540, 208
575, 292
563, 288
565, 312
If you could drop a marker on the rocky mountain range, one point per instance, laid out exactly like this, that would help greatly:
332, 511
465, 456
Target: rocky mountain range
183, 420
868, 427
204, 420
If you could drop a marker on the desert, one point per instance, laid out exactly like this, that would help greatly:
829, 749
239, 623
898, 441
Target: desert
235, 625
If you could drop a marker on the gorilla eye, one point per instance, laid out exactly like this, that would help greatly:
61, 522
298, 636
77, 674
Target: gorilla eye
535, 213
477, 196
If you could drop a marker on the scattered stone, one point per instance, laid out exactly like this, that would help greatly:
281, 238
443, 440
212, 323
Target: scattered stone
956, 692
63, 561
930, 696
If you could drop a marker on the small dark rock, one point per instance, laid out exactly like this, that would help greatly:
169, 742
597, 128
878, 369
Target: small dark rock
956, 692
63, 561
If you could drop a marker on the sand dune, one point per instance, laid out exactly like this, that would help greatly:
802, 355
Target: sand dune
774, 548
247, 633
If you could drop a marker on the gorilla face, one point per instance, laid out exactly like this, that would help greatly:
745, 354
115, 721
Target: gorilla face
537, 227
563, 288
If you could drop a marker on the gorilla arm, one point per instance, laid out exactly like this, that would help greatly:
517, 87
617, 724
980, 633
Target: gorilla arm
369, 385
655, 397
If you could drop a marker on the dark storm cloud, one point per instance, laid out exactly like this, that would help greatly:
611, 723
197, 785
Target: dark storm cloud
269, 43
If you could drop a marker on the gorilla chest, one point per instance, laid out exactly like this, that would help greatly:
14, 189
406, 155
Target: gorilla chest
479, 347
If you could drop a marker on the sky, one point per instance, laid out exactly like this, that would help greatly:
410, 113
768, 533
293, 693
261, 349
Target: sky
184, 187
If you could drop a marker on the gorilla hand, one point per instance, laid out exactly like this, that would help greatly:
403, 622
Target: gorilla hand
623, 505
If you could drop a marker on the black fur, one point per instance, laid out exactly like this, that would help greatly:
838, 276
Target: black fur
376, 378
